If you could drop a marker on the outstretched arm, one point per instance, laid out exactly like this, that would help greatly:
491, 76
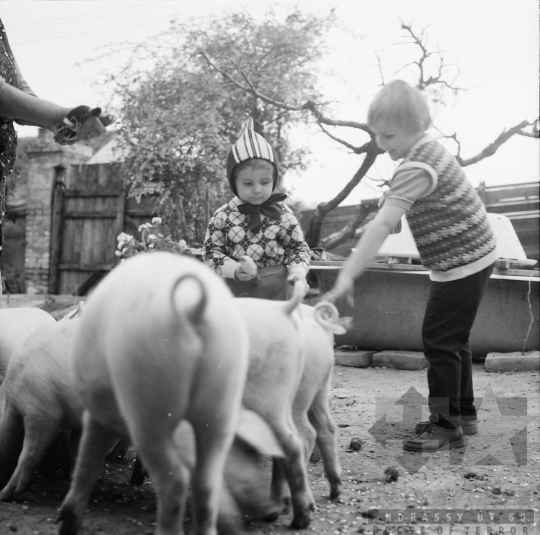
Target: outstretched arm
27, 109
30, 110
366, 249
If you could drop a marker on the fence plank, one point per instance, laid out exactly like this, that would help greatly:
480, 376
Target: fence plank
56, 236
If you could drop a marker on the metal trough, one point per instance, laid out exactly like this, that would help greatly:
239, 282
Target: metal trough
390, 298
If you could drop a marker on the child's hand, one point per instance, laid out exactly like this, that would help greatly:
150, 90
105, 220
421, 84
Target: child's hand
298, 279
342, 288
247, 270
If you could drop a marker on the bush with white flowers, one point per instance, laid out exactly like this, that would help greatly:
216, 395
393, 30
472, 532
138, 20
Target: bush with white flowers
154, 237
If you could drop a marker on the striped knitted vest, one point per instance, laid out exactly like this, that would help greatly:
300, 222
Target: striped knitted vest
450, 225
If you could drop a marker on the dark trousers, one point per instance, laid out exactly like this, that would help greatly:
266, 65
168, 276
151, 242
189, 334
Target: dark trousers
449, 318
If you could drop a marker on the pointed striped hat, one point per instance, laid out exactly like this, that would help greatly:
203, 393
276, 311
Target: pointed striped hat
250, 146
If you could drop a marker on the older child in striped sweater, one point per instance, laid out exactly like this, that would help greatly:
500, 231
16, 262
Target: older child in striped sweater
455, 241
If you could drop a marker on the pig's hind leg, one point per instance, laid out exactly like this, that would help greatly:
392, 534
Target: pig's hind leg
11, 441
213, 439
325, 427
280, 489
39, 433
95, 443
295, 469
170, 477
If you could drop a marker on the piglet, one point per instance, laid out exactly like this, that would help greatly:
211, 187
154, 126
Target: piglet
276, 363
160, 341
245, 489
37, 400
311, 406
41, 400
15, 325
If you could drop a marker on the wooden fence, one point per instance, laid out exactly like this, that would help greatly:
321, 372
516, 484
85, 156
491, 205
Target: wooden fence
89, 210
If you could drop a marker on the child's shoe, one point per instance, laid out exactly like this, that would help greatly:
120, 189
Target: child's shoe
469, 427
436, 438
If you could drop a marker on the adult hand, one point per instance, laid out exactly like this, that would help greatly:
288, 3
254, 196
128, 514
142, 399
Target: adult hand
91, 127
79, 124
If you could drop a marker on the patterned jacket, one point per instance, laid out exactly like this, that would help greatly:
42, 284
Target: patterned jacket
278, 242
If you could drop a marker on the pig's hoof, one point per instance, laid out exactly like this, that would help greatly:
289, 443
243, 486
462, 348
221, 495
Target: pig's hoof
69, 523
9, 494
301, 521
270, 517
335, 492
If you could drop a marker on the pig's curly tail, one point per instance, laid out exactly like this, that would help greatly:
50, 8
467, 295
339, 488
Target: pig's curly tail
196, 313
298, 294
326, 311
327, 315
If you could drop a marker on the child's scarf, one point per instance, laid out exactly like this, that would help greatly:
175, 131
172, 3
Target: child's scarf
268, 208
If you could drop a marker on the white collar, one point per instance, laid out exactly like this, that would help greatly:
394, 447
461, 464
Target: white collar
426, 138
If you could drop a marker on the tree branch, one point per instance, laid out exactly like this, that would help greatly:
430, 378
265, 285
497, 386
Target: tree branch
309, 105
351, 229
420, 40
357, 150
492, 148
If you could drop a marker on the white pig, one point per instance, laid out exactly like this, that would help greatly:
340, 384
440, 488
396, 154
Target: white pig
311, 407
276, 365
160, 341
37, 400
276, 368
41, 400
15, 325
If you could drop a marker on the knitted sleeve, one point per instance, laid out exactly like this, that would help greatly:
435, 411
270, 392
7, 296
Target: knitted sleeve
297, 253
215, 247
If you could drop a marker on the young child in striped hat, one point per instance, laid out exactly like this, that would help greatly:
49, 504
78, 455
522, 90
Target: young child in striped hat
255, 234
455, 241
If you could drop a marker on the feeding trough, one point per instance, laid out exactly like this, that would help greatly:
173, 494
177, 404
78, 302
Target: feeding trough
390, 298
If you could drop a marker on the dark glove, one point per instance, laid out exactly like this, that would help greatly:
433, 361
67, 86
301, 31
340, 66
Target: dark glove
81, 123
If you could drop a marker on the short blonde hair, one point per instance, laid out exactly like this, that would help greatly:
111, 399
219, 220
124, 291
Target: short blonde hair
398, 102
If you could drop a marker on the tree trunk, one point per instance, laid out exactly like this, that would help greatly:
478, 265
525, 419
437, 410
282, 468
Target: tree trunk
349, 231
183, 230
313, 234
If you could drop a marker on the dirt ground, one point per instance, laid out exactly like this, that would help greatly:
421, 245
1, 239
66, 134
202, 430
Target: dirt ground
496, 475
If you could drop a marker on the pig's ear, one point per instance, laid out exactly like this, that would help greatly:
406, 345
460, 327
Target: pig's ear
253, 430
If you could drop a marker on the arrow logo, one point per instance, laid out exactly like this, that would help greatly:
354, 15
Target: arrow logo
514, 445
382, 430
